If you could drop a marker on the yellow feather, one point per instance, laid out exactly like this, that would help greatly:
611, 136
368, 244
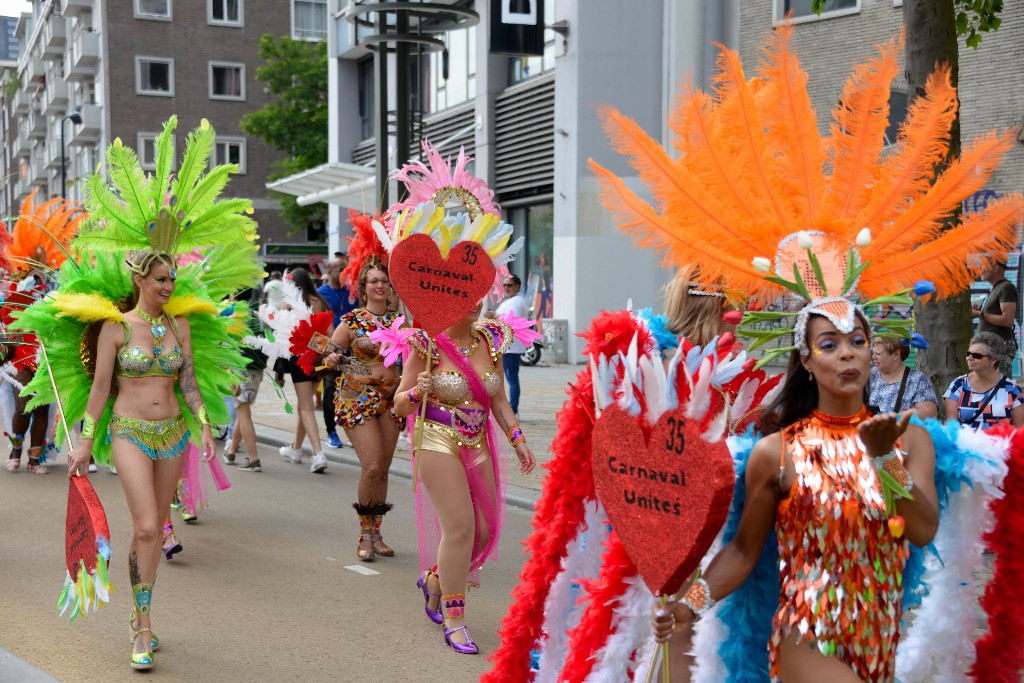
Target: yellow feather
188, 305
87, 308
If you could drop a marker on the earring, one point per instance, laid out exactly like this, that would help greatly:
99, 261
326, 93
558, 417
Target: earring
810, 375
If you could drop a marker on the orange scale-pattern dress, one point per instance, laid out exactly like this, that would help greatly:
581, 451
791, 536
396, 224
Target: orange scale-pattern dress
841, 570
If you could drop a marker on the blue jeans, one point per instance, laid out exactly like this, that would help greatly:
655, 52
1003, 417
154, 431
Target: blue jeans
511, 362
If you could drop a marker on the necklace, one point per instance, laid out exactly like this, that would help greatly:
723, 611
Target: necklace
156, 327
467, 351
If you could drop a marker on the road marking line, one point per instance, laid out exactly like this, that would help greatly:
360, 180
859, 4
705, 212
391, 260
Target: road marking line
360, 569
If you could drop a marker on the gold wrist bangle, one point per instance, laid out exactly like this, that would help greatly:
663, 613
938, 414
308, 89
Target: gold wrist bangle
88, 428
203, 417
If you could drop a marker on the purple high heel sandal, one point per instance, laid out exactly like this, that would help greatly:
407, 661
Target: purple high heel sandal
432, 614
455, 608
466, 648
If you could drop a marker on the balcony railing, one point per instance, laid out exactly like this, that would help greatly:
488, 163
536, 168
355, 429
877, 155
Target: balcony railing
36, 123
72, 8
83, 53
35, 70
56, 96
55, 36
88, 131
22, 101
24, 145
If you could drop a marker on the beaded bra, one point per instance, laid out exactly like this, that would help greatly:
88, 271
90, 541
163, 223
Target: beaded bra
134, 362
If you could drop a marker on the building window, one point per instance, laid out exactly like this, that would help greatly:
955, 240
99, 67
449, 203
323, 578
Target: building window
225, 12
147, 151
524, 68
309, 19
537, 223
366, 90
452, 73
802, 11
153, 9
229, 150
227, 81
154, 76
897, 115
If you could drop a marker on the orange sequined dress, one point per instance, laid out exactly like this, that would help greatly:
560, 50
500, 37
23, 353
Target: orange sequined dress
840, 568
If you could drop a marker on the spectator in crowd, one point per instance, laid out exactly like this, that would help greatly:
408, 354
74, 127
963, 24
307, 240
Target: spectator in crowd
514, 303
893, 387
338, 297
998, 310
985, 396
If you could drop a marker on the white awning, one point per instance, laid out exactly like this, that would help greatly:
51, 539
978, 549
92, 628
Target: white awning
345, 185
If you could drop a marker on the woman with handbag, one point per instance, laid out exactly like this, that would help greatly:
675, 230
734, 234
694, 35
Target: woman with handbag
985, 397
893, 387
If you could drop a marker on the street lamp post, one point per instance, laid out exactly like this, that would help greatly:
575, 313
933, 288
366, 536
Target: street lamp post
75, 118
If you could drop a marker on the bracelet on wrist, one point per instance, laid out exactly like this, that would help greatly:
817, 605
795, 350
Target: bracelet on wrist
892, 463
203, 417
413, 396
515, 435
88, 427
698, 598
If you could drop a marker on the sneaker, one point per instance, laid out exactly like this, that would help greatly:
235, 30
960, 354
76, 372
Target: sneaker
186, 516
319, 463
92, 467
290, 454
251, 466
333, 441
228, 458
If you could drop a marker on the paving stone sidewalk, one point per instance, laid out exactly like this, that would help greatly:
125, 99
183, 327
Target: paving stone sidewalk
544, 390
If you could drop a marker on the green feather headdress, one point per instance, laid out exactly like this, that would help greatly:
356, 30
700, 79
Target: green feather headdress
164, 212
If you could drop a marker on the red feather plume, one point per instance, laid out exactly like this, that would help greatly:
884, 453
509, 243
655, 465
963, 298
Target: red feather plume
361, 246
303, 334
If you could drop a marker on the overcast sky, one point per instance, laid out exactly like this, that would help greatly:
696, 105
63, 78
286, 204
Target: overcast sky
12, 8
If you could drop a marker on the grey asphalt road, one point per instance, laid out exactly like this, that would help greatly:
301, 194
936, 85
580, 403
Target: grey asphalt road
262, 591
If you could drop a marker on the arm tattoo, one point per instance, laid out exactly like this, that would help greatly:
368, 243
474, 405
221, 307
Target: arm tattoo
190, 386
133, 568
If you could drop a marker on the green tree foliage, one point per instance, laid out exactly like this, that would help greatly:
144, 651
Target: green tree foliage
973, 17
295, 121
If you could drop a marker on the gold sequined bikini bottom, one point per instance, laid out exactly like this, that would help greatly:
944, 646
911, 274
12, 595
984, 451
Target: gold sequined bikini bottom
156, 438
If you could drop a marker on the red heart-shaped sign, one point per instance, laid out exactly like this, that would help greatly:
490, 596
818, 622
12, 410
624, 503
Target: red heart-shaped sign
439, 291
85, 521
667, 495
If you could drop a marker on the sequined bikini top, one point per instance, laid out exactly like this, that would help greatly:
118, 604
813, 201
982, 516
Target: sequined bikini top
450, 386
134, 362
362, 323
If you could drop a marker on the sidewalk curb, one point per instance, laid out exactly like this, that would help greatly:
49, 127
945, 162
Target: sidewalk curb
16, 670
519, 497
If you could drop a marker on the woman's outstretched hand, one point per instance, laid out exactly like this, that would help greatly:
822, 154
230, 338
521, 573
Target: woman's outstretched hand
880, 432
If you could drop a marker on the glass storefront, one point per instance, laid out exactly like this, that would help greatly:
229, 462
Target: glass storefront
534, 264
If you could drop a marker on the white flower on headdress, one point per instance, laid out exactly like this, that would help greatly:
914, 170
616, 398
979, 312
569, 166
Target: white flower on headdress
762, 264
804, 239
863, 238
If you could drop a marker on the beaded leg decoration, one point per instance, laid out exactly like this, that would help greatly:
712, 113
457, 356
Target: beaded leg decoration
455, 608
142, 593
379, 546
367, 533
14, 459
35, 465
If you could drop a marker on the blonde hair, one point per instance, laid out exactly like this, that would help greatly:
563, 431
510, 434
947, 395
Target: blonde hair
696, 317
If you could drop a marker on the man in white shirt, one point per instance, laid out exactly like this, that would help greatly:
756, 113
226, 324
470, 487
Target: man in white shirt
272, 292
515, 303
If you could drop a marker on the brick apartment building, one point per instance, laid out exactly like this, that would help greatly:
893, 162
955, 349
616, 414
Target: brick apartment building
125, 66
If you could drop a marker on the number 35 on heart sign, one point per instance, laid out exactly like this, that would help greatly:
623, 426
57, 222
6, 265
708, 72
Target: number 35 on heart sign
667, 494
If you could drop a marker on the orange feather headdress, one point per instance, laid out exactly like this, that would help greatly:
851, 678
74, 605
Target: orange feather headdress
753, 171
363, 245
42, 233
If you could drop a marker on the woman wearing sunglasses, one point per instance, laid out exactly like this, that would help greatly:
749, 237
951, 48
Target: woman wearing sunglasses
985, 397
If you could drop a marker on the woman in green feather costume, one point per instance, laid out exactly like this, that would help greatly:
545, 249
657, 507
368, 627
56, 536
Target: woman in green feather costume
121, 341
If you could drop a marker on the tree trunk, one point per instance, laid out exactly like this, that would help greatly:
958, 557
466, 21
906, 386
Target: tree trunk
931, 39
